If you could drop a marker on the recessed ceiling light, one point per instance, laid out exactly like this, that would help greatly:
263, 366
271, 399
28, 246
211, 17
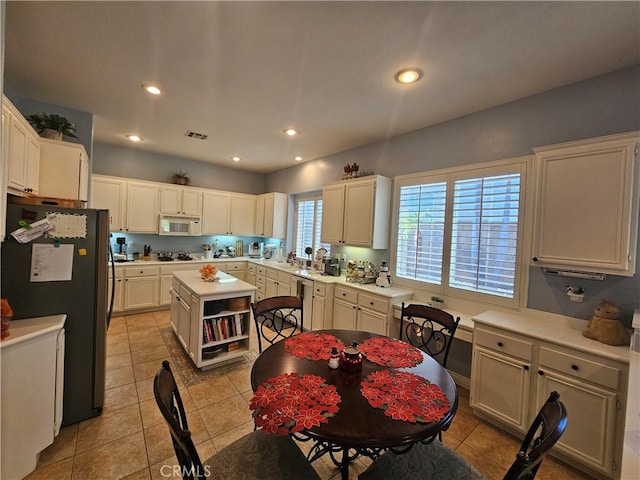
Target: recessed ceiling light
134, 138
235, 159
297, 158
151, 88
408, 75
291, 132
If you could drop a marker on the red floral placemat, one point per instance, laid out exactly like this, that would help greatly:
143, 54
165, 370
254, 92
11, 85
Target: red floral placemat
391, 353
312, 346
405, 396
292, 402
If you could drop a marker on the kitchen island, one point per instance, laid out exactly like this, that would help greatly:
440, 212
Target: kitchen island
212, 320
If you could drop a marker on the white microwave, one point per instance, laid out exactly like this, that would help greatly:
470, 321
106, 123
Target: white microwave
179, 225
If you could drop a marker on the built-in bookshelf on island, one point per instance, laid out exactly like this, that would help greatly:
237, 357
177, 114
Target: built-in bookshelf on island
211, 319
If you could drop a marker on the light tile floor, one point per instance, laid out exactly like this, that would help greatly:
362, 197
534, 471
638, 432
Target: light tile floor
130, 440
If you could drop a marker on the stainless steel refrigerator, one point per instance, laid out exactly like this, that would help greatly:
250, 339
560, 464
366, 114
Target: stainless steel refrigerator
76, 287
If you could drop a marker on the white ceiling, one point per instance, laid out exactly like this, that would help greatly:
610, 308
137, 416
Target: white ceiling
241, 72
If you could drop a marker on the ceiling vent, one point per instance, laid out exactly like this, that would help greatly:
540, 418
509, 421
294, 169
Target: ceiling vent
196, 135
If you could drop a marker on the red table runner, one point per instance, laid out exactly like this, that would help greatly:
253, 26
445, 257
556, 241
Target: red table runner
405, 396
292, 402
312, 346
390, 353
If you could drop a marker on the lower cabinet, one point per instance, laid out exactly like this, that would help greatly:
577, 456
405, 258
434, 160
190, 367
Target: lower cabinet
322, 312
512, 376
277, 283
356, 310
181, 313
117, 288
141, 287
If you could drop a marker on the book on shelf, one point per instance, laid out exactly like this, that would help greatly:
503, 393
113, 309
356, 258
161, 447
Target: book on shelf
233, 346
238, 323
219, 329
211, 334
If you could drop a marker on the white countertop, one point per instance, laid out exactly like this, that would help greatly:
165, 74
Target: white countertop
225, 286
28, 328
558, 331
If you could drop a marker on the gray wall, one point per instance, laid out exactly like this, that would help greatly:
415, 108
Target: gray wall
133, 163
599, 106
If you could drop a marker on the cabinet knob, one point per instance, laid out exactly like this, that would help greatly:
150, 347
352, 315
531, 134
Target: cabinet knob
535, 259
354, 307
526, 367
540, 372
500, 344
344, 294
575, 367
370, 303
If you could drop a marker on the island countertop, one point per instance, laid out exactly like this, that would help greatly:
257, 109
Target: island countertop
226, 284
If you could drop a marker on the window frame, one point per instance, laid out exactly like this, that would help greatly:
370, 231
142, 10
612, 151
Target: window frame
450, 176
307, 197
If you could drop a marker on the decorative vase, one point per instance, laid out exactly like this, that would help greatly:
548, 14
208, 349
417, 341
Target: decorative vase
51, 133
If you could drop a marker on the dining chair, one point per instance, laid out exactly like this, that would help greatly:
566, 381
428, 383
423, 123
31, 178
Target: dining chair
277, 318
257, 455
429, 329
436, 461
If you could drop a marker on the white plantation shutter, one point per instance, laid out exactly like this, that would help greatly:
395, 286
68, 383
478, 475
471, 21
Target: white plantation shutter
308, 225
484, 234
421, 232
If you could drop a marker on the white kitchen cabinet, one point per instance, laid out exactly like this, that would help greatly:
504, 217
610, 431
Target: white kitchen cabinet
271, 215
23, 152
118, 290
141, 286
322, 311
236, 269
180, 314
357, 212
513, 374
278, 283
227, 213
32, 362
110, 194
180, 200
585, 190
261, 282
165, 289
64, 170
251, 273
142, 207
356, 310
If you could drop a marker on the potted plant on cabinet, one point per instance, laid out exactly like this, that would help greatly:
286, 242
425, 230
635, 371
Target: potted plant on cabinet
181, 178
52, 125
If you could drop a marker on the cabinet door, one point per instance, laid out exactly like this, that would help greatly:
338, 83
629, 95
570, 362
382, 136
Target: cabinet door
83, 189
358, 214
586, 191
165, 289
184, 323
109, 194
590, 432
268, 216
140, 292
216, 210
170, 199
117, 295
333, 203
259, 226
17, 179
33, 165
191, 202
142, 207
370, 321
344, 315
272, 287
317, 314
251, 278
500, 387
63, 169
242, 214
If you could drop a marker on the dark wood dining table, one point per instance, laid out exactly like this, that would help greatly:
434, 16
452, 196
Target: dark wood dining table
357, 427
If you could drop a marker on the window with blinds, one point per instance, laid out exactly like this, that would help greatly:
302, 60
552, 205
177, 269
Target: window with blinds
461, 233
484, 234
308, 225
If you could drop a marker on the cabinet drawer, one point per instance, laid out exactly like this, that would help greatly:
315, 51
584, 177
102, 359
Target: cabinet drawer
284, 278
262, 288
141, 271
373, 303
579, 367
167, 269
319, 290
504, 344
260, 280
260, 270
252, 267
235, 266
346, 294
272, 274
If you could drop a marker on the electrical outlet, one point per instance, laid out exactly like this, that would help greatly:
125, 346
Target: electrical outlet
576, 297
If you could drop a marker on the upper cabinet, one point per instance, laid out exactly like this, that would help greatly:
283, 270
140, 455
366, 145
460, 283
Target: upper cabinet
23, 152
110, 194
586, 207
271, 215
180, 200
64, 170
225, 213
356, 212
